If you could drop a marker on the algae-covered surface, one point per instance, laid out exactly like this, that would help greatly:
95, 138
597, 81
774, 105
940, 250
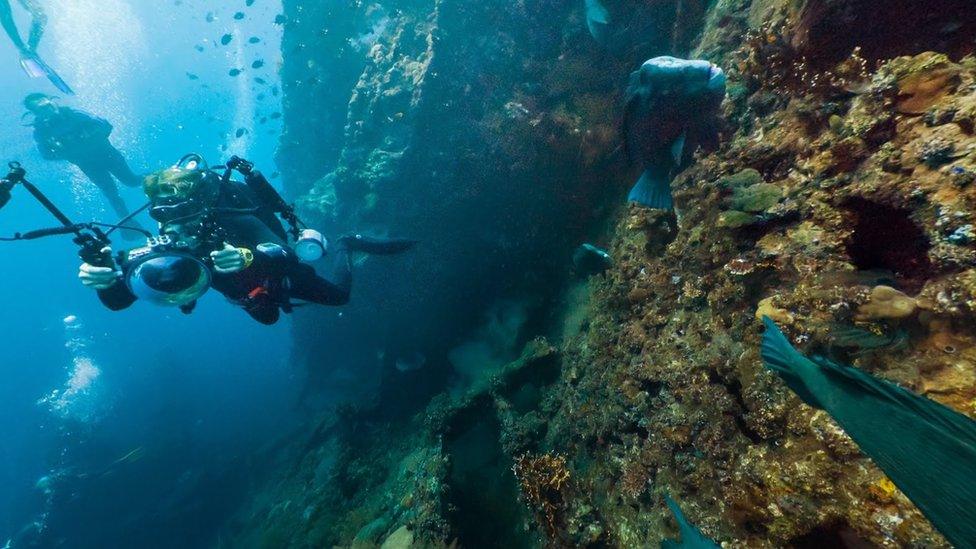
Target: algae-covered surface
840, 203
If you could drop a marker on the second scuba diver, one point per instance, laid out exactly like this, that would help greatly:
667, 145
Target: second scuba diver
63, 133
224, 234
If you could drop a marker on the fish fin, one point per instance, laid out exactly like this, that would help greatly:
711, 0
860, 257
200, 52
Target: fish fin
597, 20
781, 357
653, 189
678, 148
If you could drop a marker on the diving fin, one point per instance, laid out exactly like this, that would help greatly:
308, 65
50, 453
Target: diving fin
376, 246
36, 68
927, 449
32, 66
691, 537
653, 189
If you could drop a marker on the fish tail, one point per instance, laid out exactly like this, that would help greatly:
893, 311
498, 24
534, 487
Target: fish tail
653, 189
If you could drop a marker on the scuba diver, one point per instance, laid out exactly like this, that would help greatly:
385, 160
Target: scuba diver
673, 107
29, 60
225, 234
67, 134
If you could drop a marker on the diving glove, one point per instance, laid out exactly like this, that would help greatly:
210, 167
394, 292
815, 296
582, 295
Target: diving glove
98, 277
231, 259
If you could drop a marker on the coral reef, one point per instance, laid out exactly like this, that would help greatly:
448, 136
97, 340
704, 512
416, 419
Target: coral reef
841, 204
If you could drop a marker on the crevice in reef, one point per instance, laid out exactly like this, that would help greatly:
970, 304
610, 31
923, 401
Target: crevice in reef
885, 238
482, 497
828, 30
734, 387
836, 535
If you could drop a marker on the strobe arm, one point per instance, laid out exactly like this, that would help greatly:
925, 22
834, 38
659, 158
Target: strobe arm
92, 240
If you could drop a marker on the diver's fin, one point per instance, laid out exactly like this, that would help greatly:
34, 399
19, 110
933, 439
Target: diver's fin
691, 537
678, 148
377, 246
780, 357
927, 450
653, 189
32, 66
36, 68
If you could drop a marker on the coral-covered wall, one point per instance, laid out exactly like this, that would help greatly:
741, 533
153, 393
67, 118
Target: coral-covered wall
841, 204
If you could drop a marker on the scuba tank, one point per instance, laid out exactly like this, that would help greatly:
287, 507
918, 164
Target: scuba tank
310, 245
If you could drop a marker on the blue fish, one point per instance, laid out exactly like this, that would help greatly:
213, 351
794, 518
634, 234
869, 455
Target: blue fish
597, 20
672, 108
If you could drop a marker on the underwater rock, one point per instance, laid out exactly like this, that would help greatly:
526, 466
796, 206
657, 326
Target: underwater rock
923, 81
402, 538
767, 309
885, 302
457, 112
734, 219
756, 198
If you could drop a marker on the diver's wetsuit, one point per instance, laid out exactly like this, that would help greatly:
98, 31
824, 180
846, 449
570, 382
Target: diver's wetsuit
82, 139
275, 276
38, 21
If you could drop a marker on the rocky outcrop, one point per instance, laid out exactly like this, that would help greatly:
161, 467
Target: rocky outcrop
841, 205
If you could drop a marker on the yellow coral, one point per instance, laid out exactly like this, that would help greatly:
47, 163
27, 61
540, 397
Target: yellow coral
766, 308
883, 489
541, 479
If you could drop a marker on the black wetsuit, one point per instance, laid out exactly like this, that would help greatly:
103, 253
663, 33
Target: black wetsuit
265, 287
82, 139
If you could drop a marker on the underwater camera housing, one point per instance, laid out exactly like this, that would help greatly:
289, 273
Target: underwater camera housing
165, 272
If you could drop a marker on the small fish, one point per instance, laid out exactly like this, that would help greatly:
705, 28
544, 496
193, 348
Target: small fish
257, 64
210, 17
235, 72
239, 15
274, 91
589, 260
240, 132
254, 40
275, 175
249, 3
198, 47
264, 120
260, 97
279, 19
410, 363
260, 80
225, 39
192, 76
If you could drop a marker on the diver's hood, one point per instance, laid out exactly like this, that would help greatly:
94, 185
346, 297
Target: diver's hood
168, 278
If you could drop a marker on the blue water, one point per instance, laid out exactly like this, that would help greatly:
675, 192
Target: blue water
151, 404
